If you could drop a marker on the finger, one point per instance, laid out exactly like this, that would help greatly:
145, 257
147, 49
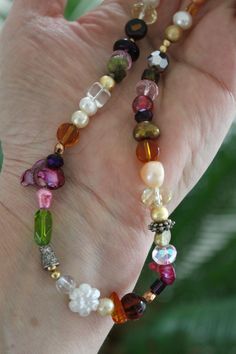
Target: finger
43, 7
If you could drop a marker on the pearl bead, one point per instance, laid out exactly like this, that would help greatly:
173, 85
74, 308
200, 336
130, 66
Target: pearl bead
80, 119
152, 174
106, 307
183, 19
159, 213
173, 33
88, 106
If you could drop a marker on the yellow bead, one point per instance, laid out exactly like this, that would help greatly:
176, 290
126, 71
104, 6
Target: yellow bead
159, 213
55, 275
51, 269
173, 33
107, 82
166, 43
144, 12
149, 296
163, 49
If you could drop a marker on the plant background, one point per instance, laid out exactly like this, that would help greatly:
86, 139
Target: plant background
198, 314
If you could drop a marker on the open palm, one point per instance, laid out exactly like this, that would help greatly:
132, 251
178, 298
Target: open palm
100, 233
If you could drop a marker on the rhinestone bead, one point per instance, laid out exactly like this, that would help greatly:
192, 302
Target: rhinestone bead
80, 119
98, 94
134, 306
68, 134
136, 29
144, 12
88, 105
163, 239
146, 130
129, 46
44, 198
147, 150
118, 315
65, 284
164, 255
158, 60
147, 88
142, 103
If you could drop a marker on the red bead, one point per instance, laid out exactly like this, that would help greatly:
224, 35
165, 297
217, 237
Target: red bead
154, 266
141, 103
134, 306
167, 274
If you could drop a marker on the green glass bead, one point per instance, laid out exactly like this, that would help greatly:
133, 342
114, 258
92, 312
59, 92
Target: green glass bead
42, 227
117, 63
119, 75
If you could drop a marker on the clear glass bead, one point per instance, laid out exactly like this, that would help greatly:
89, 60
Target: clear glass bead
65, 284
99, 94
163, 239
144, 12
164, 255
147, 88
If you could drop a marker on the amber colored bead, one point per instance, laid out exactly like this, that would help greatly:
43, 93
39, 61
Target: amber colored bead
193, 9
134, 306
147, 150
68, 134
118, 314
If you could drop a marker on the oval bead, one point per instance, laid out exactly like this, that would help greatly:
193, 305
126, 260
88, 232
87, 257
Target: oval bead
134, 306
164, 255
152, 174
68, 134
147, 150
167, 273
146, 130
142, 103
42, 227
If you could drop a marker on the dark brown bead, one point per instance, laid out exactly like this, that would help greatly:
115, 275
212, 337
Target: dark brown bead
134, 306
151, 74
157, 287
136, 29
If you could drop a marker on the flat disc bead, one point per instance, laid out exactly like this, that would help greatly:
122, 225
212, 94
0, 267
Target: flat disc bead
128, 46
136, 29
146, 130
68, 134
152, 174
147, 150
142, 103
164, 255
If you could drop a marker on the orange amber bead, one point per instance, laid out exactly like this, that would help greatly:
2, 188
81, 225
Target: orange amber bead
147, 150
68, 134
118, 314
193, 9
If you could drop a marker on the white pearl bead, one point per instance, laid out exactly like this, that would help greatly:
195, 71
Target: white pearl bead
183, 19
80, 119
152, 174
88, 106
152, 3
106, 307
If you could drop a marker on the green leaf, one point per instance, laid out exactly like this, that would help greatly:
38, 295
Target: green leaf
76, 9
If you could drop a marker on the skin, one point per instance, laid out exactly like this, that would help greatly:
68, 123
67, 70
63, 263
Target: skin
100, 225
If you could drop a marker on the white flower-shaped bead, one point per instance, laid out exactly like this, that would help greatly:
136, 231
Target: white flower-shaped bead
84, 299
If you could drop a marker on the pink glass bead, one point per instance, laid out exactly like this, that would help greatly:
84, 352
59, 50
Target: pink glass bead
164, 255
44, 198
167, 274
147, 88
141, 103
125, 55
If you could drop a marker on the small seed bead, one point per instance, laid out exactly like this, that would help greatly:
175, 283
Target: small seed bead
59, 149
55, 275
149, 296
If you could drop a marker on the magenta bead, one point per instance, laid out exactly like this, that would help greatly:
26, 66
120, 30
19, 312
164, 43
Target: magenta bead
147, 88
125, 55
44, 198
154, 267
167, 274
142, 103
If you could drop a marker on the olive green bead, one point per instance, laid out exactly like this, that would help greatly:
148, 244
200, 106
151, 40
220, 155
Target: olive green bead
145, 130
42, 227
117, 64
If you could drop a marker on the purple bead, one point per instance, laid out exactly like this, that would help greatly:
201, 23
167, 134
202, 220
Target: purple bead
52, 179
44, 198
145, 115
27, 179
55, 161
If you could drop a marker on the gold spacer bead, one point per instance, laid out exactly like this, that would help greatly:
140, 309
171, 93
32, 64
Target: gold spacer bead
59, 149
163, 49
149, 296
159, 213
107, 82
166, 43
173, 33
55, 275
51, 269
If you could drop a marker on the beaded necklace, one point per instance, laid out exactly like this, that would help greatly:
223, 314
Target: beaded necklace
47, 174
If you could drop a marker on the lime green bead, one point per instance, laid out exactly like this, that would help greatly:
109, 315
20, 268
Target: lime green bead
42, 227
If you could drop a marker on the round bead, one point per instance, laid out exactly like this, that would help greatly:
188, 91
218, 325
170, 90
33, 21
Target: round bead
142, 11
54, 161
158, 60
164, 255
65, 284
118, 62
68, 134
167, 273
162, 239
136, 29
144, 116
152, 174
134, 306
106, 307
151, 74
159, 213
173, 33
147, 150
88, 106
147, 88
80, 119
107, 82
59, 149
146, 130
128, 46
44, 198
183, 19
142, 103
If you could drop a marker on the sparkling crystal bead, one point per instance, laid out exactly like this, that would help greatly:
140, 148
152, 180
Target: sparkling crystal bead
164, 255
163, 239
147, 150
142, 103
147, 88
65, 284
151, 196
136, 29
43, 227
44, 198
144, 12
134, 306
99, 94
118, 315
158, 60
68, 134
